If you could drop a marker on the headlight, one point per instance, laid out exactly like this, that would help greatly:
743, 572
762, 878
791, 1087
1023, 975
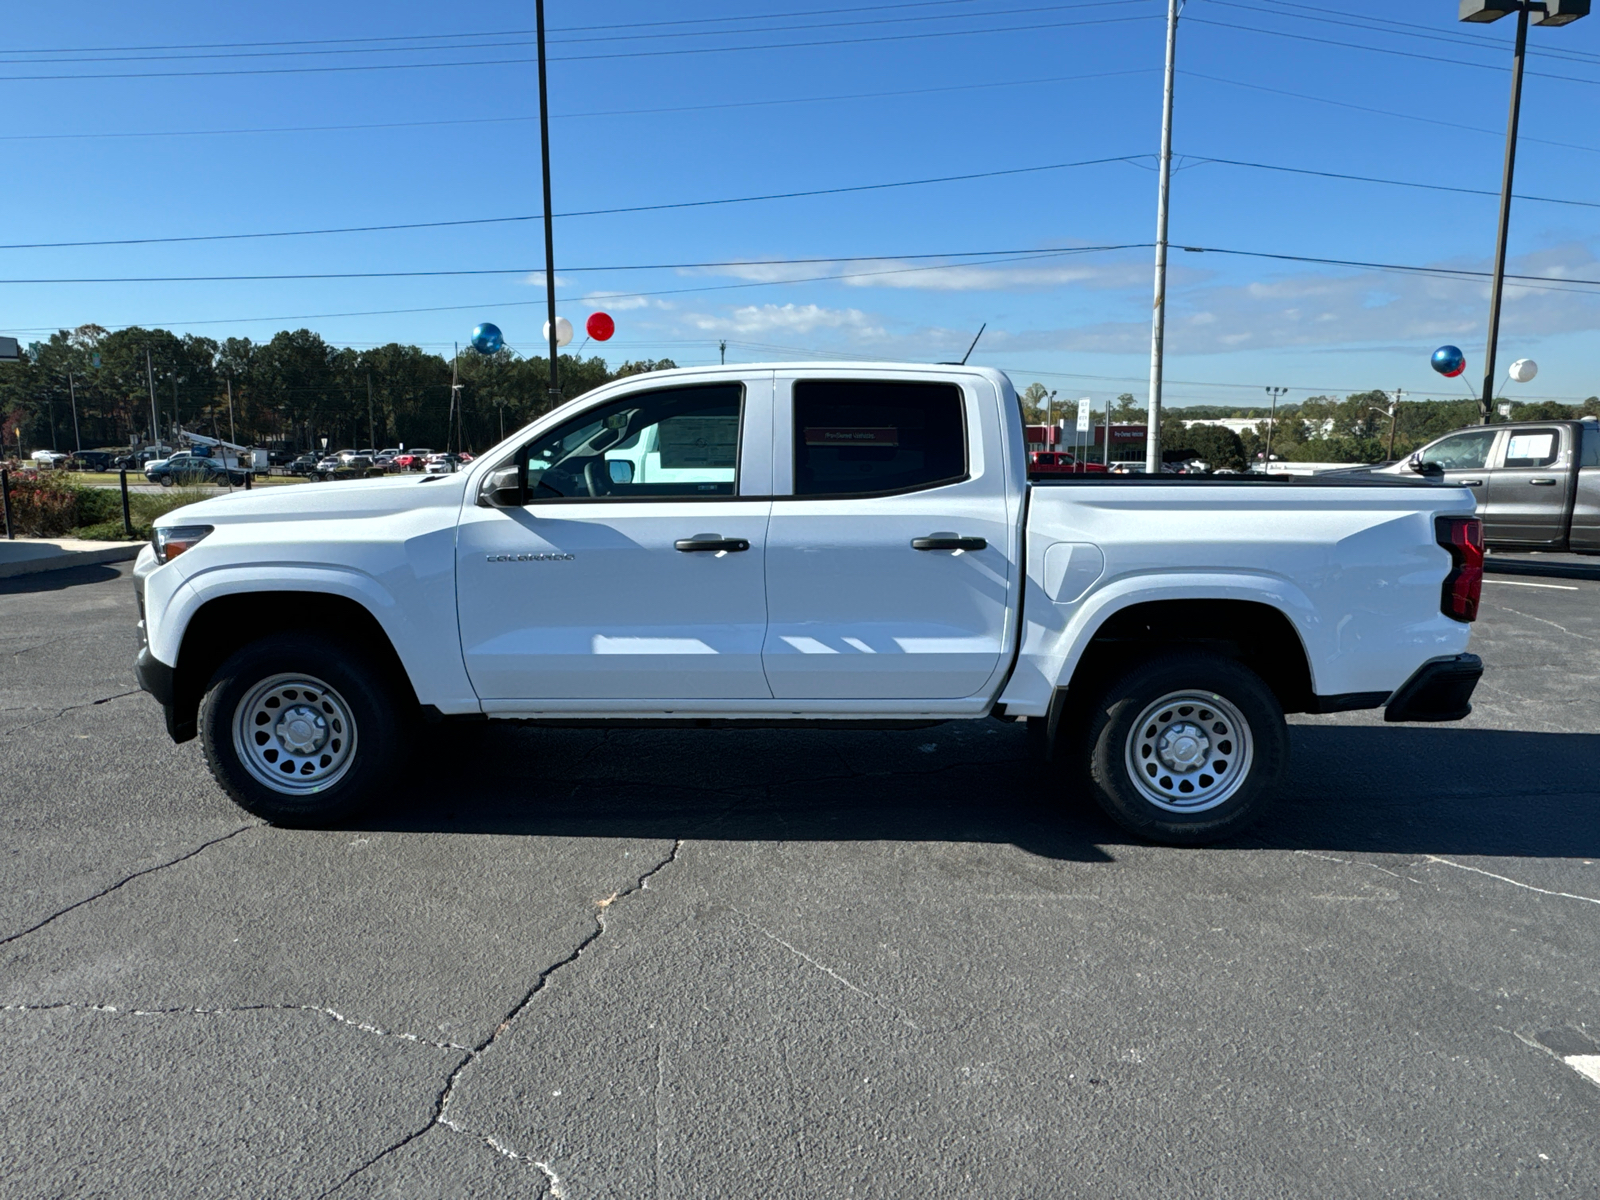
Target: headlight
171, 541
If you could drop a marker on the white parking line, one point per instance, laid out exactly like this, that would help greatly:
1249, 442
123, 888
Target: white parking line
1556, 587
1587, 1065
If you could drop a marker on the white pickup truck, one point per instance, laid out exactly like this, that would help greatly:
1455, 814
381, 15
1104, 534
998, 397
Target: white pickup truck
806, 543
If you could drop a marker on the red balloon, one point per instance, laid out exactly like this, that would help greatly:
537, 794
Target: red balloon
600, 326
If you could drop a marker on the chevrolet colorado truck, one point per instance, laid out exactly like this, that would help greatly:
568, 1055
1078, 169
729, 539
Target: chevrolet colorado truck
764, 544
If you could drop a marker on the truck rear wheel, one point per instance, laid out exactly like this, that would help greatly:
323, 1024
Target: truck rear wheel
300, 730
1186, 749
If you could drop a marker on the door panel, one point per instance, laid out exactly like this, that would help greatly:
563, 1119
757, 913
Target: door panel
602, 584
1529, 492
854, 611
572, 601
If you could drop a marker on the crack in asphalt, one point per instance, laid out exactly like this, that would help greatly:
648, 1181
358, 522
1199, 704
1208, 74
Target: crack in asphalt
1434, 858
321, 1010
127, 879
440, 1117
69, 708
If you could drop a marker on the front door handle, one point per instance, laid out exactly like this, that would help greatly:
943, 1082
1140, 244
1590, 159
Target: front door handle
1469, 483
948, 541
713, 542
1542, 482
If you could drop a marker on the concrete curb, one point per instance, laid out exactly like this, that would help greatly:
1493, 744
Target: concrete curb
72, 558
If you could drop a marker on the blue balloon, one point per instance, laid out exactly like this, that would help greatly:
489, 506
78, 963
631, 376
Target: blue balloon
486, 339
1449, 361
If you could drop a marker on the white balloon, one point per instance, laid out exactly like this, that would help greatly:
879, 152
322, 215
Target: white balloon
1524, 369
563, 331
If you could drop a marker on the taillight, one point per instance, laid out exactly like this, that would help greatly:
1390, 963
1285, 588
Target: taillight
1463, 537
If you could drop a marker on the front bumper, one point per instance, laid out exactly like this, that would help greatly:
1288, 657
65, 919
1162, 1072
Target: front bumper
160, 681
1440, 690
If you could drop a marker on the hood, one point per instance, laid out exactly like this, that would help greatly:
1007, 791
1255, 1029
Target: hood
323, 501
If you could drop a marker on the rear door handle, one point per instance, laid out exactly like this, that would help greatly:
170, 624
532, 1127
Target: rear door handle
1471, 483
1542, 482
711, 541
948, 541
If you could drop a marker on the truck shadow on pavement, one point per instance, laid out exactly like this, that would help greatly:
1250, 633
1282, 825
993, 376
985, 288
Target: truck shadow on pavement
1411, 790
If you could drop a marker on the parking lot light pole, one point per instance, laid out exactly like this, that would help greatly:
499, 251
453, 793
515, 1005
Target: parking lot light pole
1545, 12
1272, 422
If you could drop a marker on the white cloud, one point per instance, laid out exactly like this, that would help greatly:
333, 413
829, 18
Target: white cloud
912, 274
536, 279
756, 319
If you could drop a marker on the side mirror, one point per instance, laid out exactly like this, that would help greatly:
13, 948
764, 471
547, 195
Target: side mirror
1423, 468
501, 489
621, 470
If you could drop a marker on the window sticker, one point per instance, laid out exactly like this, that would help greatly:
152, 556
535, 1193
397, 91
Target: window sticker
688, 442
852, 435
1535, 446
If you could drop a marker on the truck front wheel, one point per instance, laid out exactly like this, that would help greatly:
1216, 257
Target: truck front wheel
301, 731
1186, 749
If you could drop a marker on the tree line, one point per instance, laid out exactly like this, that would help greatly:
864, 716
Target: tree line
100, 389
1355, 429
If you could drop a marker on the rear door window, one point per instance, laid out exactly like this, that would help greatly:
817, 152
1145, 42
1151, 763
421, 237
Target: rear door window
864, 438
1532, 447
1591, 445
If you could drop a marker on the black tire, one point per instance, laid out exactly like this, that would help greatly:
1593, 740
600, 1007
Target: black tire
165, 480
375, 708
1230, 763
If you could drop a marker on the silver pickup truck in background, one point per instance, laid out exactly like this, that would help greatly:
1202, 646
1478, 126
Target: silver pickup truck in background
1537, 483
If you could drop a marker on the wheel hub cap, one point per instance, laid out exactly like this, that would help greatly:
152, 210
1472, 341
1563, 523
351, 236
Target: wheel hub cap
1189, 751
1183, 747
302, 730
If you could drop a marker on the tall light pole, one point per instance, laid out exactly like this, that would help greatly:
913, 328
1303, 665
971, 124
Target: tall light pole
1544, 12
549, 217
1158, 319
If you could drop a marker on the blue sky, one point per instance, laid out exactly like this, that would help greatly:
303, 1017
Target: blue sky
704, 101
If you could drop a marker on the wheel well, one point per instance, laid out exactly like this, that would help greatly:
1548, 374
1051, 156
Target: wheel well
1257, 635
228, 623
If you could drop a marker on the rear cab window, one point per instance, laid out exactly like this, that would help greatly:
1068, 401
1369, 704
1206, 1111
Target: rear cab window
1532, 448
872, 438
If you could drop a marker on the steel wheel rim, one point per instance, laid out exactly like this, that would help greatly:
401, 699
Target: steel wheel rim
1189, 751
294, 734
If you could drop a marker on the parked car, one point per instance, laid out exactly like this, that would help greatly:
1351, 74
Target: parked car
92, 460
1536, 483
49, 459
305, 465
814, 543
441, 464
355, 467
412, 460
1056, 462
192, 470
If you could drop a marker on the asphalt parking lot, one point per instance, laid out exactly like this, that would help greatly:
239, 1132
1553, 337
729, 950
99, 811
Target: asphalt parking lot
793, 963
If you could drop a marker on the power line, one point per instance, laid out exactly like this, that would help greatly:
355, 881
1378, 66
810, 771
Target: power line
1383, 112
496, 62
611, 112
498, 33
1550, 284
1306, 37
684, 266
593, 212
611, 36
1406, 183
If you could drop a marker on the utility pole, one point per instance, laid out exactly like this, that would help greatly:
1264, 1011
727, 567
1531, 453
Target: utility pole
233, 430
1152, 445
1394, 418
455, 391
155, 424
722, 349
1272, 423
177, 425
372, 436
72, 393
549, 217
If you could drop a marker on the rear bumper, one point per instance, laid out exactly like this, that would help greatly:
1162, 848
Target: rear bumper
1440, 690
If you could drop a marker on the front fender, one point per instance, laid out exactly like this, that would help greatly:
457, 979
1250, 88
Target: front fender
428, 648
